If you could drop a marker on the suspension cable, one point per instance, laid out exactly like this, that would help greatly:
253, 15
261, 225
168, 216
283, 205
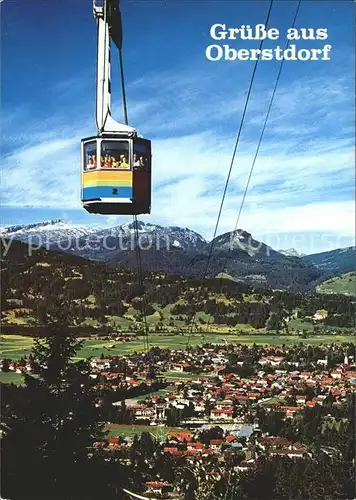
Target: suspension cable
126, 120
141, 285
230, 248
250, 175
230, 167
140, 277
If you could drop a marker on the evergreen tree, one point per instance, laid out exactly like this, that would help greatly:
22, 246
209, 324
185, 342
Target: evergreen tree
5, 365
51, 424
274, 322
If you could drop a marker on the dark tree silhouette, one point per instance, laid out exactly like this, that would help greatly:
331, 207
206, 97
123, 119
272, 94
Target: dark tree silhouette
51, 424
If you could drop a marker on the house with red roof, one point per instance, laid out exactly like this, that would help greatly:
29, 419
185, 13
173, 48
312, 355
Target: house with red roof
195, 445
215, 444
272, 360
180, 367
230, 439
289, 410
141, 411
180, 436
225, 414
156, 487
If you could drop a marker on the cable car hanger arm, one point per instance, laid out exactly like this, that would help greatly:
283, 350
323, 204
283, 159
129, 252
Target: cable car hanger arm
108, 19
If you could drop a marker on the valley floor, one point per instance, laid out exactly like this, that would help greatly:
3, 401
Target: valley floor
17, 346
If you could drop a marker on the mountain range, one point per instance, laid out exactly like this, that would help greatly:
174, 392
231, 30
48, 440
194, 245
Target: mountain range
182, 251
334, 262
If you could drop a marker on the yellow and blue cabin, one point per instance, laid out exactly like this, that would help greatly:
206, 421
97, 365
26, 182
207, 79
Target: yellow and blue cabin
116, 175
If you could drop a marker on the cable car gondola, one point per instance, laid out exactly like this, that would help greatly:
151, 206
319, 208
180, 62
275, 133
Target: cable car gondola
116, 163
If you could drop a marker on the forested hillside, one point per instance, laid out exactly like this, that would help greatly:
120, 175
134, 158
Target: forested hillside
333, 262
344, 283
110, 299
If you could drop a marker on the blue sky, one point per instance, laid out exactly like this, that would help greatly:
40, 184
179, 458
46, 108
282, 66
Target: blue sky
302, 191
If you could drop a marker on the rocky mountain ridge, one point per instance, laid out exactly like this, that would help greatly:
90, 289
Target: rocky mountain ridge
175, 250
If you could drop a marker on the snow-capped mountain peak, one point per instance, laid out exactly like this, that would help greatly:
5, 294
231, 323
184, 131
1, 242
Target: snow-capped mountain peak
58, 234
177, 237
30, 227
291, 252
46, 232
142, 227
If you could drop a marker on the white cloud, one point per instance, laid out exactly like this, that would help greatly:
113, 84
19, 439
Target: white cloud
44, 175
301, 177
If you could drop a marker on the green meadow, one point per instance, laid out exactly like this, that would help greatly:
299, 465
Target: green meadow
11, 378
130, 430
16, 346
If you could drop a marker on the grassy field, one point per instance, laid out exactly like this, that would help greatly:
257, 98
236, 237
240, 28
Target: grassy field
182, 375
131, 430
16, 346
346, 283
11, 378
273, 401
299, 324
162, 392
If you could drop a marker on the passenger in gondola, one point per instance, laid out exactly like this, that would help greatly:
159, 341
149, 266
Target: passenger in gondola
114, 162
107, 161
142, 163
136, 162
123, 162
90, 164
